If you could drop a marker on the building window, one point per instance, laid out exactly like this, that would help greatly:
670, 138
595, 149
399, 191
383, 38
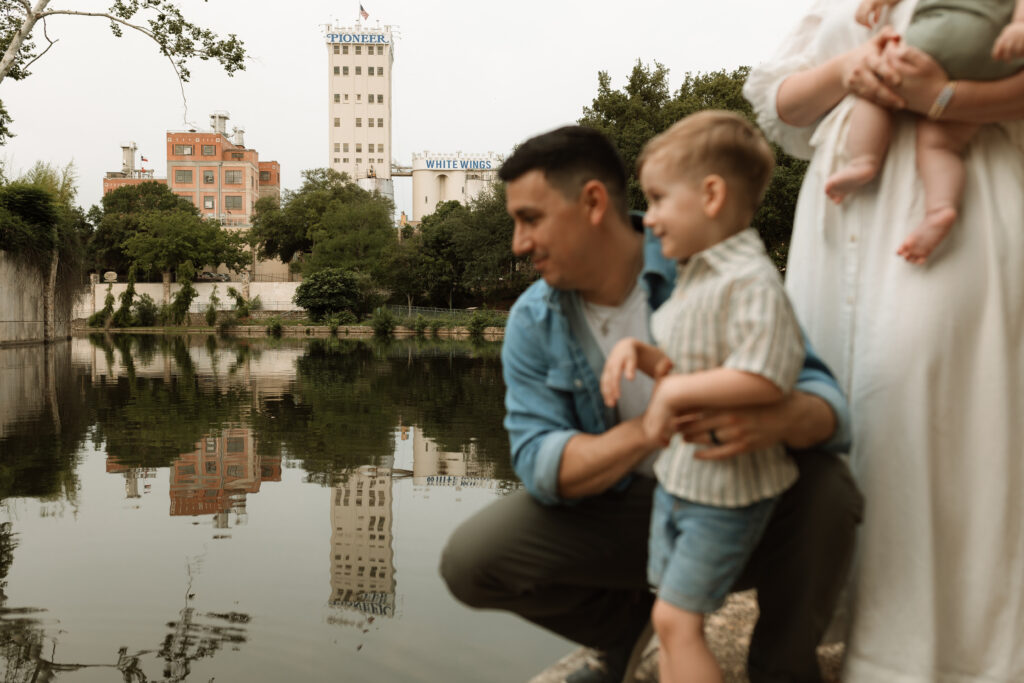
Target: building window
344, 49
337, 97
208, 202
359, 147
337, 122
370, 150
380, 161
209, 150
380, 99
369, 71
337, 48
237, 155
380, 149
380, 123
233, 178
359, 49
337, 70
359, 160
359, 98
208, 178
264, 176
336, 160
183, 150
344, 70
380, 49
359, 70
233, 201
369, 122
369, 97
182, 176
359, 123
344, 147
346, 97
337, 146
344, 160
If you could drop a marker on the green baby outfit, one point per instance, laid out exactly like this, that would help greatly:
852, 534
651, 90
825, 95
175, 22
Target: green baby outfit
959, 35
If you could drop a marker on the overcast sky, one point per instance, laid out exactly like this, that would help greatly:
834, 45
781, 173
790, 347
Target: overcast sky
469, 75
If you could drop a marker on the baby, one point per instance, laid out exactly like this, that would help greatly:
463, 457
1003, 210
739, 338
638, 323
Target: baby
731, 336
970, 39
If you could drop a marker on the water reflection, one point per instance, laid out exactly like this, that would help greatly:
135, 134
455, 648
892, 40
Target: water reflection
133, 543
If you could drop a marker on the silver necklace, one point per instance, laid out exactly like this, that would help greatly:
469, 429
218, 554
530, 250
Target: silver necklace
603, 320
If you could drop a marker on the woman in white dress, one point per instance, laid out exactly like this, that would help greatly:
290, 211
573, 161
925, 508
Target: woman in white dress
932, 357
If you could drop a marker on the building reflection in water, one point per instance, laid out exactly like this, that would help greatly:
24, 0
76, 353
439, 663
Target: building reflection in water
362, 554
363, 572
215, 478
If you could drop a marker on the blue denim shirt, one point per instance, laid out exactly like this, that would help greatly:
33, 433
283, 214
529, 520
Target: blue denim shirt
552, 363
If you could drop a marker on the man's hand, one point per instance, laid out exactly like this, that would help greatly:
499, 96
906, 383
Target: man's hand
798, 421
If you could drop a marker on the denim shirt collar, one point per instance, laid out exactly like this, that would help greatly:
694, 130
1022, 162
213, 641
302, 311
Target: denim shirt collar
657, 279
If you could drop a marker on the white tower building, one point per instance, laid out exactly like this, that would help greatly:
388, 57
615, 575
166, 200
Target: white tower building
359, 60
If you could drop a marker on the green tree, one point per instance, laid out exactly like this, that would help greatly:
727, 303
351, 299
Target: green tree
120, 218
330, 290
643, 108
465, 254
402, 271
166, 239
159, 20
42, 216
332, 220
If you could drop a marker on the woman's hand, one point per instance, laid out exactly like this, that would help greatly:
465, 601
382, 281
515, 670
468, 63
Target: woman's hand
868, 74
918, 77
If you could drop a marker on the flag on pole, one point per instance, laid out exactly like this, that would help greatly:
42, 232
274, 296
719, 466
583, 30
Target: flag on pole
144, 158
362, 12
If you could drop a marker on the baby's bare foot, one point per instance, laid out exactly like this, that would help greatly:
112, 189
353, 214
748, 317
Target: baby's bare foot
926, 236
855, 174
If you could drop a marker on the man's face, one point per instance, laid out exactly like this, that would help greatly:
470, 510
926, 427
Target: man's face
552, 229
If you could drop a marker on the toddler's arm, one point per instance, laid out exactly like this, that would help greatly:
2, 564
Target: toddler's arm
1010, 43
625, 358
870, 11
717, 388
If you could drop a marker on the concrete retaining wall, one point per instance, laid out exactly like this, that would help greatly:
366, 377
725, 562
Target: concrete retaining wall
274, 296
22, 294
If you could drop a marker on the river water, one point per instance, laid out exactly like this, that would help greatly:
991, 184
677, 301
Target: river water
193, 508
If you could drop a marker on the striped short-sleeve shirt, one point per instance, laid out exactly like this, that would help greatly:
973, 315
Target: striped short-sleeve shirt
729, 309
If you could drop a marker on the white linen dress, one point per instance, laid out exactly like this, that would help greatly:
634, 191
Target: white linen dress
932, 359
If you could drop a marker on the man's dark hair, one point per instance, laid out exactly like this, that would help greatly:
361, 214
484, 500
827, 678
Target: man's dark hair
570, 157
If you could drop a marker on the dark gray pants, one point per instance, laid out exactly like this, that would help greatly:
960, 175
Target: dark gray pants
581, 570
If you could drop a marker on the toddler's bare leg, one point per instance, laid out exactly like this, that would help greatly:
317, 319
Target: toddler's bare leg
940, 148
684, 656
866, 145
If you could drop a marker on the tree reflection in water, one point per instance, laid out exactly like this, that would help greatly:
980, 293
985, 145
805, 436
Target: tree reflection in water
338, 411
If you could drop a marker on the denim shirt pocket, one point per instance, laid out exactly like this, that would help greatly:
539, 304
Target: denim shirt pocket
565, 378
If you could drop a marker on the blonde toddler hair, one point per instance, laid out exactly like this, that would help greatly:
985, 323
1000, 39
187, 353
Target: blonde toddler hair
717, 142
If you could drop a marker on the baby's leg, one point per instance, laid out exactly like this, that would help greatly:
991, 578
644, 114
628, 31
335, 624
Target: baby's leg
940, 148
684, 657
866, 145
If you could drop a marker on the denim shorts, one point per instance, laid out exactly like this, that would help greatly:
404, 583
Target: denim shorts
696, 552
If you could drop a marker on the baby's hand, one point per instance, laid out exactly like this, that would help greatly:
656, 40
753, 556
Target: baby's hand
1010, 43
658, 422
870, 11
621, 363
